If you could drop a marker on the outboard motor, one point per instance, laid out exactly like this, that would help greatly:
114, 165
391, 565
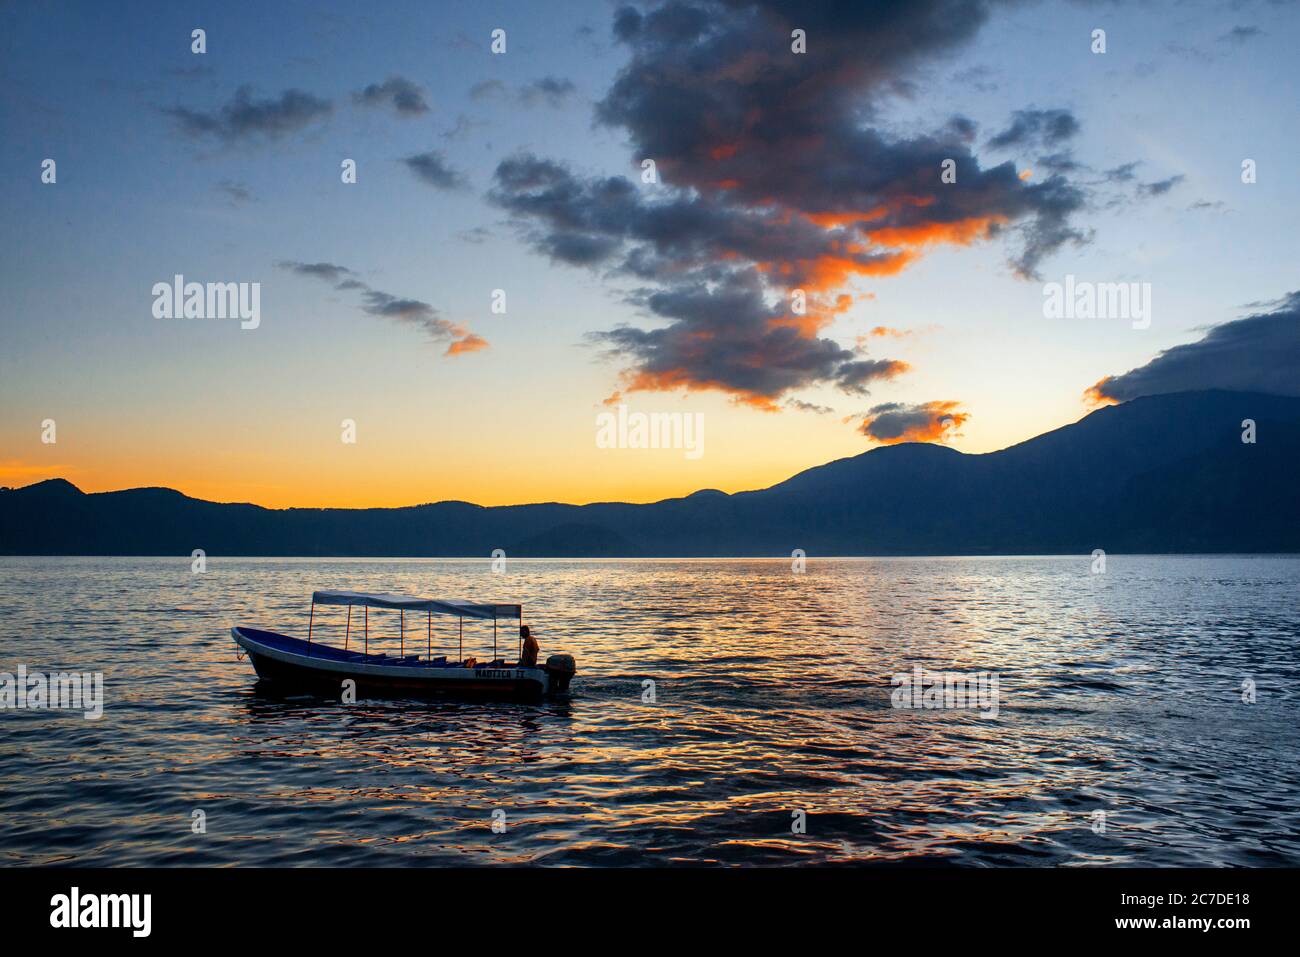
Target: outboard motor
561, 668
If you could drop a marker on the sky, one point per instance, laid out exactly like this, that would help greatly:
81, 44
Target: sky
778, 175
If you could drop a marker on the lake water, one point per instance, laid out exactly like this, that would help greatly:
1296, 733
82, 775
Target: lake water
1119, 692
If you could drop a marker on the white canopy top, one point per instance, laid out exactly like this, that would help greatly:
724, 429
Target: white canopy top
439, 606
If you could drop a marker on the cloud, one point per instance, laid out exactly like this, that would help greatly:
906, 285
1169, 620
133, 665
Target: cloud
467, 343
432, 168
894, 422
1121, 174
246, 118
880, 331
487, 89
1240, 34
462, 128
727, 337
550, 90
1045, 128
327, 271
403, 96
1259, 353
776, 176
375, 302
803, 406
1160, 187
237, 193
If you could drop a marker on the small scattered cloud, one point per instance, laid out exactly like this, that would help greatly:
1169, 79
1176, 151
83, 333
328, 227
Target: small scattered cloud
802, 406
1123, 173
463, 127
236, 193
1032, 127
398, 93
553, 91
1241, 34
979, 78
376, 302
879, 332
892, 422
486, 90
432, 168
1160, 187
246, 117
326, 271
549, 90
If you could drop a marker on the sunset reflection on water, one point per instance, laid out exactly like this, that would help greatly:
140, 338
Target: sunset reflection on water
771, 697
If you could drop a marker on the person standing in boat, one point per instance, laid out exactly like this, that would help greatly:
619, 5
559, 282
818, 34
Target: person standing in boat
528, 657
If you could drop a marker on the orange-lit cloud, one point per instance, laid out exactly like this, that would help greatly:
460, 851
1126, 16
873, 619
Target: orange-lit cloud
773, 186
1095, 394
894, 422
469, 342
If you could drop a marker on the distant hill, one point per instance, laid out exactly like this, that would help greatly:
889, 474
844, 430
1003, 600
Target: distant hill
1165, 473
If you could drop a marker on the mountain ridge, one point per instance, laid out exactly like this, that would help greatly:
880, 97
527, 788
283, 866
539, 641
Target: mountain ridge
1166, 473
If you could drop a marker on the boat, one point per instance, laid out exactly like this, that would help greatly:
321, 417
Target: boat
288, 663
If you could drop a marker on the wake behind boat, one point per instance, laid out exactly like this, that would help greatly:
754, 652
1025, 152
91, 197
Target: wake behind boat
294, 663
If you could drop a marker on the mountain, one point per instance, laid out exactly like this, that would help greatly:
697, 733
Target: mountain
1165, 473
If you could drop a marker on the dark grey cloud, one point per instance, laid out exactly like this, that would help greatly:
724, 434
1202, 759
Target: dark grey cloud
463, 127
246, 117
1045, 128
1121, 174
375, 302
432, 168
327, 271
1160, 187
804, 406
1259, 353
893, 422
775, 176
237, 193
723, 109
548, 90
403, 96
724, 337
1063, 162
1240, 34
551, 90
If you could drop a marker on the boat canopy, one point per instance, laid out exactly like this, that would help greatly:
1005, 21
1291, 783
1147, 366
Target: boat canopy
439, 606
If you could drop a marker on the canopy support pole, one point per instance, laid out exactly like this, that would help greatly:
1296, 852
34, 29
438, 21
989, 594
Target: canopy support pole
494, 637
521, 633
367, 607
428, 636
461, 626
348, 633
402, 652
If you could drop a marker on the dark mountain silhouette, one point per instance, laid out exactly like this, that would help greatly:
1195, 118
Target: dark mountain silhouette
1164, 473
